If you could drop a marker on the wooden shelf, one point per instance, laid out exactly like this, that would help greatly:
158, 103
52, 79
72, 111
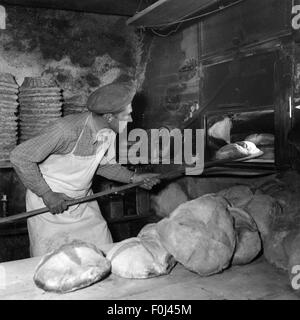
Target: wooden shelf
165, 12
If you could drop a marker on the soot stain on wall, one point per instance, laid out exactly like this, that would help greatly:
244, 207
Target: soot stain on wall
171, 80
59, 33
81, 50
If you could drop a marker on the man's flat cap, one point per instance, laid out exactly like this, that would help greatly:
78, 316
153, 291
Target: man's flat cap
111, 98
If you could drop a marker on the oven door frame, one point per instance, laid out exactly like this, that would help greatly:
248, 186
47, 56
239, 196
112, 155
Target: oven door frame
235, 108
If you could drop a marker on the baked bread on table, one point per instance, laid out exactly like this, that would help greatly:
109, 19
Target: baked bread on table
71, 267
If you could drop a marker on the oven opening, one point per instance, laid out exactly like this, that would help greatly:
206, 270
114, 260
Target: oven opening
230, 127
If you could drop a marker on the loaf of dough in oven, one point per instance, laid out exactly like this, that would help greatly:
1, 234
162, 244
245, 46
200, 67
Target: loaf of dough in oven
237, 150
261, 139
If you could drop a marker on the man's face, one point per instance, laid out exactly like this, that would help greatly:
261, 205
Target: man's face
121, 119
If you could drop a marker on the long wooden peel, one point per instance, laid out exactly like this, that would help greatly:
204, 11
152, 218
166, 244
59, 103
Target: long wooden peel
116, 190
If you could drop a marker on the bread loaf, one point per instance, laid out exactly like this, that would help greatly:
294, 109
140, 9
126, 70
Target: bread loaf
72, 266
248, 242
139, 258
261, 139
200, 234
168, 199
151, 240
237, 196
237, 150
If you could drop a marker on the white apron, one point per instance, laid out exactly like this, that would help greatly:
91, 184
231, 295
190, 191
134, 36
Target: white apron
72, 175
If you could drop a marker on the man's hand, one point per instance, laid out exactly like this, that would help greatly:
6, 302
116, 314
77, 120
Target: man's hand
149, 179
56, 202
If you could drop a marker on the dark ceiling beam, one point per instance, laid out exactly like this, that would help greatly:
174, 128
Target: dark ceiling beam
164, 12
109, 7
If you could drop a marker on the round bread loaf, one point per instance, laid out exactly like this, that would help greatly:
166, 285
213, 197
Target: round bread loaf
139, 258
72, 266
200, 234
237, 150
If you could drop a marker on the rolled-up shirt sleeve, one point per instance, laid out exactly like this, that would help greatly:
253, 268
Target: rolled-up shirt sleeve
115, 172
26, 157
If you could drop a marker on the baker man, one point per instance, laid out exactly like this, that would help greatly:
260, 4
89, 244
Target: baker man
59, 165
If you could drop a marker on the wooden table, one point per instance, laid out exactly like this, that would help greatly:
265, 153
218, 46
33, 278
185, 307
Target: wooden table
258, 280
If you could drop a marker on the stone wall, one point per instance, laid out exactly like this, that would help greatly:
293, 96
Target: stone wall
81, 50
